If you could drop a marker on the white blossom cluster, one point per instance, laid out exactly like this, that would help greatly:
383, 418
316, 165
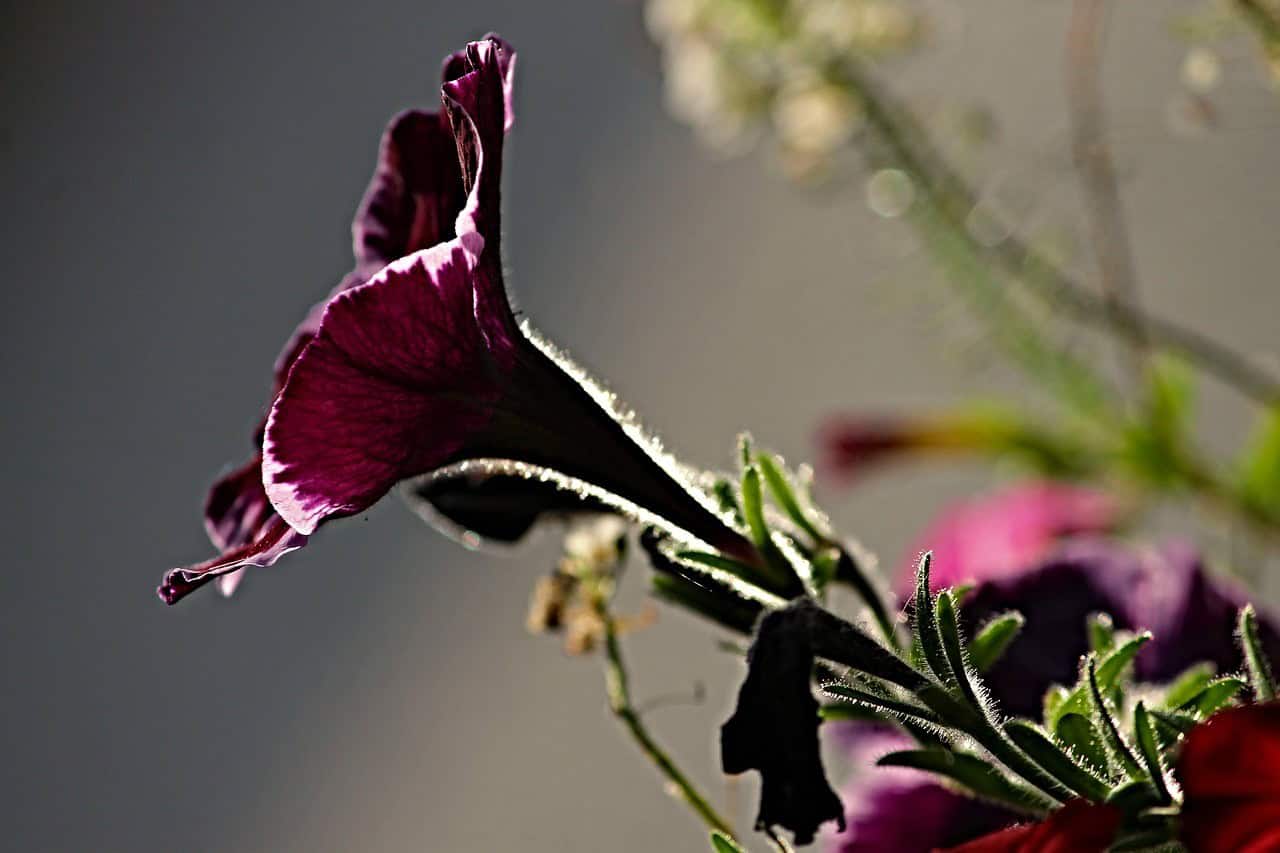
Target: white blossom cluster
737, 70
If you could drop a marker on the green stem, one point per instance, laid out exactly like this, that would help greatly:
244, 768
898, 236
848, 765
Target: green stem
616, 682
947, 193
1264, 22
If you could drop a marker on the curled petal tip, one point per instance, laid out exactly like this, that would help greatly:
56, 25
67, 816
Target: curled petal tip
177, 586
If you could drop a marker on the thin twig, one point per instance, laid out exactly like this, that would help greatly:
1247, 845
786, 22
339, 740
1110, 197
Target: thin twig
1092, 156
616, 682
953, 199
1265, 22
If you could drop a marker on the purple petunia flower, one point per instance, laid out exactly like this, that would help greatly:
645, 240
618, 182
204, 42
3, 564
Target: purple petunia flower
904, 810
421, 373
1165, 590
411, 203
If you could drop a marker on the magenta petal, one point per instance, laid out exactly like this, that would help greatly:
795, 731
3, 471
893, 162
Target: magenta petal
396, 379
1004, 533
237, 508
414, 196
904, 810
277, 539
477, 105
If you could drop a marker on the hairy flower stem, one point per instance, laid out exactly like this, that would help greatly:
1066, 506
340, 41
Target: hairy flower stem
617, 685
944, 191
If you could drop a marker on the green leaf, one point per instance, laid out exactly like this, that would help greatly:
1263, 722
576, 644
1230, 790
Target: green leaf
1043, 751
776, 567
953, 647
719, 605
1116, 745
1150, 751
1109, 671
1102, 633
843, 712
727, 499
1113, 665
883, 704
1154, 444
753, 508
776, 479
716, 561
1188, 685
1075, 732
1053, 699
1216, 695
1171, 395
1258, 480
982, 778
722, 843
1133, 796
1173, 722
924, 625
993, 639
1261, 679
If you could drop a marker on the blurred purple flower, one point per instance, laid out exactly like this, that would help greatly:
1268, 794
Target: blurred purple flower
904, 810
1005, 533
1166, 590
421, 373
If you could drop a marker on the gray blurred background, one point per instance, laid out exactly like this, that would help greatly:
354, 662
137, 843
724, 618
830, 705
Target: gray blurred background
178, 181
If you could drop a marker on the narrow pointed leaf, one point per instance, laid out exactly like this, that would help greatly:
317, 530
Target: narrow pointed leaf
753, 507
924, 624
1177, 723
718, 604
1075, 732
1188, 685
883, 704
1150, 751
1102, 633
982, 778
722, 843
1053, 699
776, 565
993, 639
1114, 739
1215, 696
716, 561
1112, 666
844, 712
1261, 679
1043, 751
728, 500
1134, 796
953, 647
785, 497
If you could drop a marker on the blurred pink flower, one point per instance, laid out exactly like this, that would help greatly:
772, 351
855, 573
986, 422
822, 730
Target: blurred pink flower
1001, 534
